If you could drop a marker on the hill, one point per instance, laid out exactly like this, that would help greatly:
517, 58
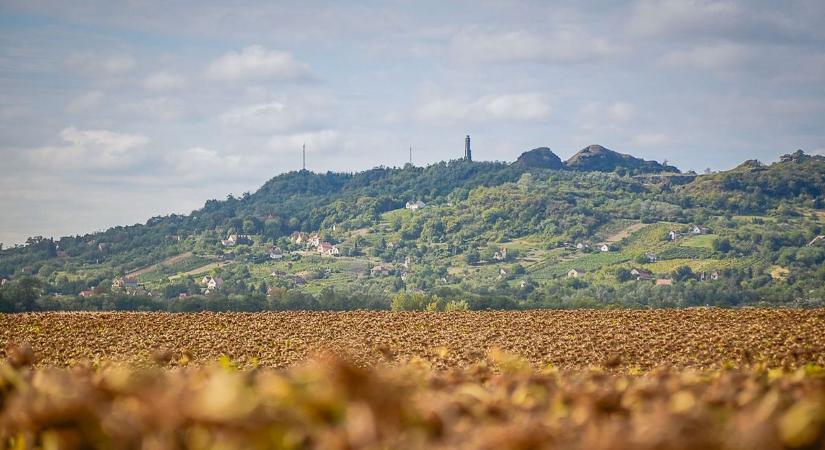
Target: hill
539, 158
478, 234
598, 158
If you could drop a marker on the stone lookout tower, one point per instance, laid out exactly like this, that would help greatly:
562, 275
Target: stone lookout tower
468, 154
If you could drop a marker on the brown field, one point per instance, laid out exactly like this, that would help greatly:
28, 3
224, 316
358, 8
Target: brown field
696, 338
686, 379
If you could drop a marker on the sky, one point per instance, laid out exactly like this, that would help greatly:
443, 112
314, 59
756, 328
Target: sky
112, 112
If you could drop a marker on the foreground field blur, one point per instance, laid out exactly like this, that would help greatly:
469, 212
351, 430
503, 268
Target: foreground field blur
690, 379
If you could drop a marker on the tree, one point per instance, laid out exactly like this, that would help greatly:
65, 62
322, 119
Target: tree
721, 245
683, 273
623, 275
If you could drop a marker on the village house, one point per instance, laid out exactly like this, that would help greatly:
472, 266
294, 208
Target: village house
380, 270
502, 272
819, 240
298, 237
212, 283
575, 273
3, 281
327, 249
276, 253
124, 283
641, 274
501, 255
651, 257
664, 282
407, 263
582, 246
415, 206
700, 229
314, 240
183, 295
713, 276
604, 247
672, 235
235, 239
87, 293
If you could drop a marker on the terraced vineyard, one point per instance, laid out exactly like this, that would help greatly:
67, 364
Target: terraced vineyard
686, 379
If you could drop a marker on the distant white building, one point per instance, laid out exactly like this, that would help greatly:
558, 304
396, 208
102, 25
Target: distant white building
276, 253
575, 273
415, 206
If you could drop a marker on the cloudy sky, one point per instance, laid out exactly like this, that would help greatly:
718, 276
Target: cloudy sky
115, 111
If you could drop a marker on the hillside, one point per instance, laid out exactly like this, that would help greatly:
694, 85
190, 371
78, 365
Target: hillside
598, 158
467, 234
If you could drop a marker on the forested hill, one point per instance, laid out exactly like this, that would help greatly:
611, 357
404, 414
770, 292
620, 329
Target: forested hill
506, 235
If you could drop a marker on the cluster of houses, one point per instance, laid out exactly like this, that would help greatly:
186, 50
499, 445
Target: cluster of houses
313, 241
602, 247
211, 284
695, 229
385, 269
646, 275
128, 285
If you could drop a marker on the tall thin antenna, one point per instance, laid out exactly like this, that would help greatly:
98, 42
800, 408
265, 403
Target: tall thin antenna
304, 152
411, 155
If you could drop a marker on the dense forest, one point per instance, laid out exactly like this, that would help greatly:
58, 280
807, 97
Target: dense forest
602, 229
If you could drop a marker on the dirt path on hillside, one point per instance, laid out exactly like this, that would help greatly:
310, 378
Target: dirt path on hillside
170, 260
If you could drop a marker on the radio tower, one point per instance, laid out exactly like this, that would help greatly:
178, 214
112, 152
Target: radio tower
304, 154
411, 155
468, 154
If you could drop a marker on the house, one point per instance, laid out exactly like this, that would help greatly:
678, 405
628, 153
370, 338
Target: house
235, 239
390, 245
183, 295
651, 257
709, 276
641, 274
819, 240
582, 246
3, 281
664, 282
415, 206
298, 237
380, 270
327, 249
124, 283
87, 293
212, 283
604, 247
276, 253
501, 255
672, 235
699, 229
575, 273
502, 272
314, 240
407, 263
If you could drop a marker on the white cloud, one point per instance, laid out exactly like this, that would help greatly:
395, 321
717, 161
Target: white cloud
157, 108
606, 114
650, 140
674, 17
322, 141
256, 63
561, 45
84, 102
95, 64
164, 81
89, 150
508, 107
277, 116
720, 56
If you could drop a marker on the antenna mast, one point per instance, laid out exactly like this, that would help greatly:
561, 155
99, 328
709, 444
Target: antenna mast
304, 153
411, 155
